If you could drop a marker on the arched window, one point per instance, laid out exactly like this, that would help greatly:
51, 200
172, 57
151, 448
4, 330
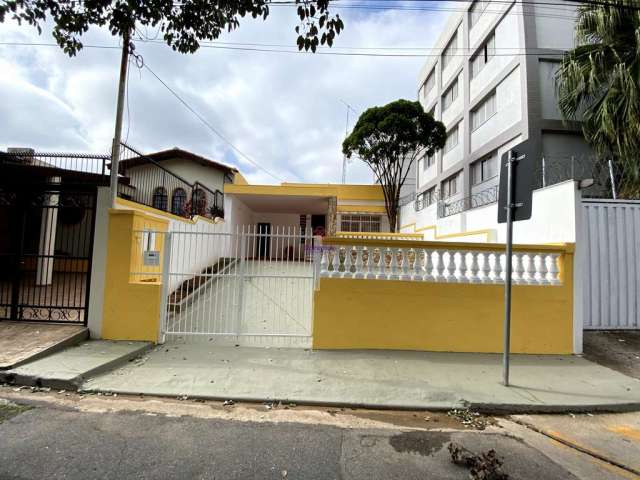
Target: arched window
178, 200
199, 200
159, 199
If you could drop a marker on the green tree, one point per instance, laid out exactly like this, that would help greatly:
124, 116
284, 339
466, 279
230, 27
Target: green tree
389, 139
598, 82
183, 24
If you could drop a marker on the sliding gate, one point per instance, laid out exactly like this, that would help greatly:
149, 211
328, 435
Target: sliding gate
253, 286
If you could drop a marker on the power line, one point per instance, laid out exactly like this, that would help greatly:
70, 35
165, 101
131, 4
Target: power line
516, 51
211, 127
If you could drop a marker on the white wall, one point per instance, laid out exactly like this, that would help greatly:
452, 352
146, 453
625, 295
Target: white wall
456, 61
555, 31
507, 40
508, 111
479, 31
99, 262
553, 220
194, 172
425, 176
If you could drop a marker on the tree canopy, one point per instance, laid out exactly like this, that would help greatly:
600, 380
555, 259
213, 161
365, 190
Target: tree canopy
598, 82
389, 139
183, 24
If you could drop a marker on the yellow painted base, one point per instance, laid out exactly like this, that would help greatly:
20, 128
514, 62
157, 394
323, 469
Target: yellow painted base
131, 307
401, 315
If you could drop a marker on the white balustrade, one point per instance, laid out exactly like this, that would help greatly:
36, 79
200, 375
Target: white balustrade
442, 265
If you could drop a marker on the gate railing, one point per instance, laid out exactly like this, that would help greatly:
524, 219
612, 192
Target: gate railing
238, 284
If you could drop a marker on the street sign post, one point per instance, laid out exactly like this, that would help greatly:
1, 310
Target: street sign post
514, 204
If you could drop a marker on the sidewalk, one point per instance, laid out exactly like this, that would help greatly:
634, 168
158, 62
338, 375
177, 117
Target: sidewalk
378, 379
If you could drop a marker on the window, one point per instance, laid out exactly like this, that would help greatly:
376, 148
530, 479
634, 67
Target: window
485, 169
178, 201
452, 139
450, 186
199, 201
484, 111
360, 223
159, 199
486, 52
477, 9
450, 95
428, 161
429, 197
428, 84
432, 112
449, 51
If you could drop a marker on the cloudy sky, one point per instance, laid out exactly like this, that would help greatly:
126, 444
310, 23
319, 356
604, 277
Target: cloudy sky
283, 110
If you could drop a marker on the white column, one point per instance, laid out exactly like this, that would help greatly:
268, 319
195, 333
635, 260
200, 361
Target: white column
48, 227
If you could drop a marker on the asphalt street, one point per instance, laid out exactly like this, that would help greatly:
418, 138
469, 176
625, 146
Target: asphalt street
59, 440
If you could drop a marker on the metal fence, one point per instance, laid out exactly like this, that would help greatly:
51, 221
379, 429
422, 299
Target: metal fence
69, 163
149, 183
611, 264
257, 288
475, 200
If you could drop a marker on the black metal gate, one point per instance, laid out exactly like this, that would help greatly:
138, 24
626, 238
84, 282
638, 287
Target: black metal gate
46, 245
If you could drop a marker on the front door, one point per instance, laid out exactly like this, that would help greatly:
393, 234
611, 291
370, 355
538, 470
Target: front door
319, 225
264, 239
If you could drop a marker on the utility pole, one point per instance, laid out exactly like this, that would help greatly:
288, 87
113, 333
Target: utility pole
115, 147
345, 160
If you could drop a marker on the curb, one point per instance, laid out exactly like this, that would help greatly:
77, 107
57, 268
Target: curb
485, 408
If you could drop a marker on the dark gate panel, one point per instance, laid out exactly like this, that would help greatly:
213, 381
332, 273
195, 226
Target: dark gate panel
46, 247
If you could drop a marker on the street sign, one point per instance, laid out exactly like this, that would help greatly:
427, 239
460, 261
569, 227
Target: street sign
522, 182
514, 203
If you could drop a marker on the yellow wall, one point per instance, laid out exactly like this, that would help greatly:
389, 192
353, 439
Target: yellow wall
341, 192
131, 302
450, 317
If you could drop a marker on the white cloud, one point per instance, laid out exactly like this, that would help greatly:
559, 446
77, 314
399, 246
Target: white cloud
281, 109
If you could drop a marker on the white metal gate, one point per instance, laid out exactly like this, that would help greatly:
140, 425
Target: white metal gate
611, 281
253, 286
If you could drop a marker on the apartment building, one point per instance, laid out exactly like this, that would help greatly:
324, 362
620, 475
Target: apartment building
491, 82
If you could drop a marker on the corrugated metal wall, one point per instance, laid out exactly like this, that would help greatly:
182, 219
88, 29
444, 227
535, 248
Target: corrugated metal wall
612, 271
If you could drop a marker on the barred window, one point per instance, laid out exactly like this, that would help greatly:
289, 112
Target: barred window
360, 223
178, 201
160, 198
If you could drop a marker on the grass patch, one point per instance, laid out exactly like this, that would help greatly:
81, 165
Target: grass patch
9, 410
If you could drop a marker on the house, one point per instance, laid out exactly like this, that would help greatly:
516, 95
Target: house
491, 83
176, 181
323, 209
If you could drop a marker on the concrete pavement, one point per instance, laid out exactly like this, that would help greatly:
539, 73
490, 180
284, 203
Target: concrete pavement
68, 368
380, 379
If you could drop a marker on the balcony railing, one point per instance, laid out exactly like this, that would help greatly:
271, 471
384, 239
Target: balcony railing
147, 182
70, 164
